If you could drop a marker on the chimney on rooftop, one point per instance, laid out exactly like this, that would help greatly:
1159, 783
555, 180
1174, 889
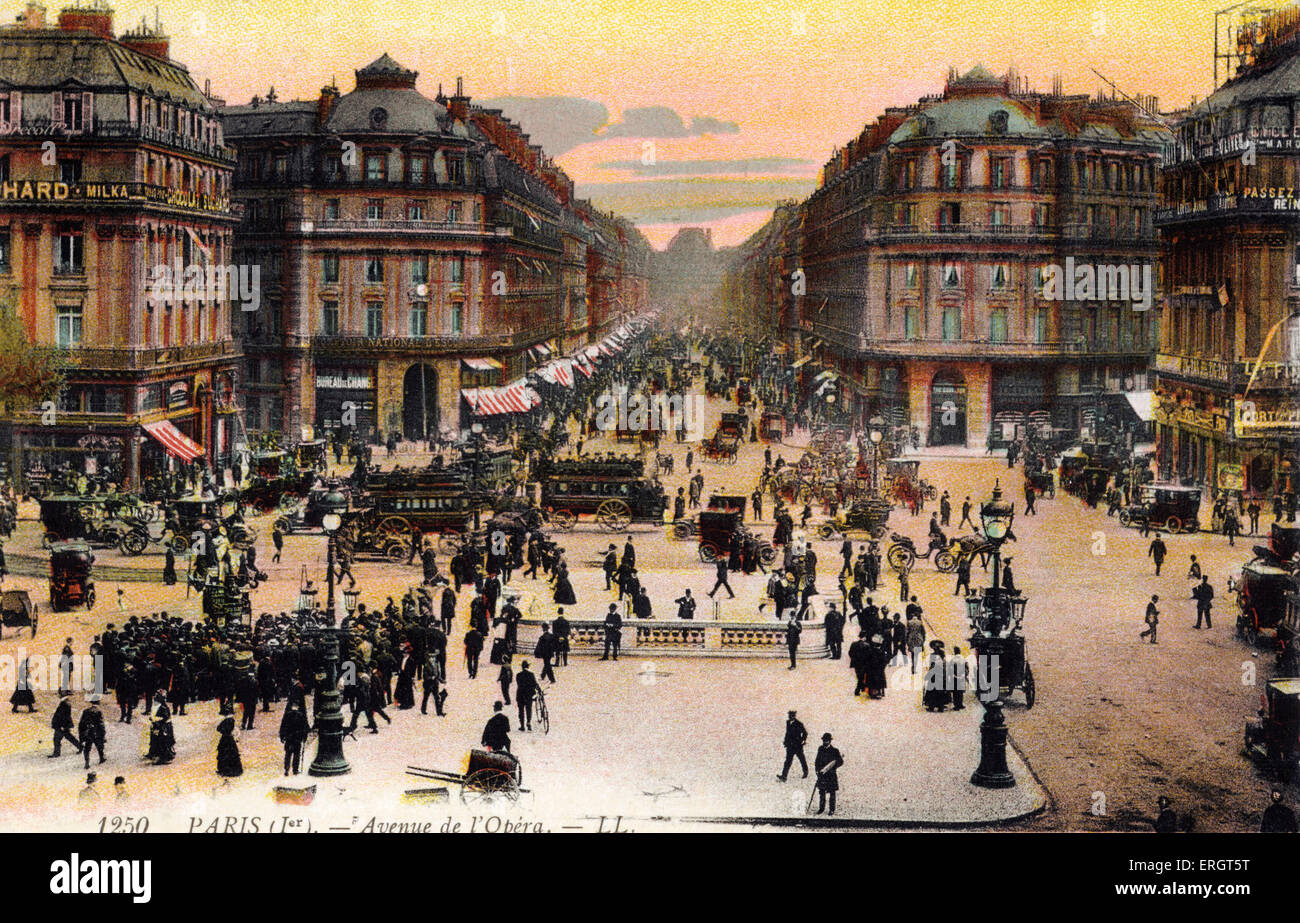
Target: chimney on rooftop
325, 105
148, 41
33, 17
458, 105
95, 16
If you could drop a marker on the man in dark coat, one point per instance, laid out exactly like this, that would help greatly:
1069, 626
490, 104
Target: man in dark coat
561, 628
496, 733
834, 624
1203, 593
796, 735
721, 579
91, 730
826, 764
610, 566
526, 690
128, 693
545, 651
1157, 552
613, 632
641, 607
792, 632
629, 554
448, 610
247, 693
61, 722
473, 647
434, 671
859, 660
293, 734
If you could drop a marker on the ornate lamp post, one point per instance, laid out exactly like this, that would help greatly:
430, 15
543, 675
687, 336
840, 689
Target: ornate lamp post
876, 435
476, 439
990, 616
329, 759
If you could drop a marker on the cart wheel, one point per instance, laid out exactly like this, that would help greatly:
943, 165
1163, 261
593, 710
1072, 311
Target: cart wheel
1125, 518
396, 526
396, 552
90, 599
825, 531
946, 561
878, 532
901, 558
708, 553
1174, 524
563, 520
180, 544
614, 515
486, 784
681, 530
1031, 690
134, 543
767, 554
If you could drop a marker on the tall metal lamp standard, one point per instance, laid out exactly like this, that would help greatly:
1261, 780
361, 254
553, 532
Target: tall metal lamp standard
329, 759
476, 439
876, 435
991, 617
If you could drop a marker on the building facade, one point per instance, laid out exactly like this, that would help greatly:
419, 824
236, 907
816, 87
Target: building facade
933, 262
1228, 366
112, 164
413, 248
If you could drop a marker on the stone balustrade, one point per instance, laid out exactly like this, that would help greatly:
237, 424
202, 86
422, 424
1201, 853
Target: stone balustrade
683, 638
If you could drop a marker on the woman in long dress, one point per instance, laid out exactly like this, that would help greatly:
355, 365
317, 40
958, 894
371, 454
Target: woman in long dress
23, 694
879, 659
405, 693
563, 588
228, 762
162, 739
935, 697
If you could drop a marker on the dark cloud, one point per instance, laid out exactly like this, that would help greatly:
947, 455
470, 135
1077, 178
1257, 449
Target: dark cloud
557, 123
707, 125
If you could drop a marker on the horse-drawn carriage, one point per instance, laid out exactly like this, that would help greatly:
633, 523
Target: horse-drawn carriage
1042, 482
722, 447
771, 427
903, 476
189, 516
615, 491
488, 776
1273, 741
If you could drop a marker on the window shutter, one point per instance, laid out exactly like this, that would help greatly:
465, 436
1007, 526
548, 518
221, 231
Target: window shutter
87, 111
15, 108
57, 111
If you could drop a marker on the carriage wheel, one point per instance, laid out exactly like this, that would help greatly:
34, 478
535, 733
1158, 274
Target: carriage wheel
1125, 518
614, 515
767, 554
133, 543
682, 530
396, 552
878, 532
396, 526
901, 558
1174, 524
931, 492
180, 544
825, 531
946, 561
563, 520
1031, 690
486, 784
708, 552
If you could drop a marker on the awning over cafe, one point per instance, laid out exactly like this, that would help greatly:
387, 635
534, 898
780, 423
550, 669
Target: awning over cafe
482, 365
177, 444
1142, 403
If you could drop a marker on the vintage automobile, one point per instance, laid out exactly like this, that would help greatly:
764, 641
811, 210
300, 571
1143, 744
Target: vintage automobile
1042, 482
71, 580
870, 515
716, 528
18, 611
360, 531
65, 517
1265, 591
615, 491
307, 514
1271, 741
208, 515
1164, 506
734, 424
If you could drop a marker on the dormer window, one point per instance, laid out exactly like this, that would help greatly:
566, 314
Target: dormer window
998, 122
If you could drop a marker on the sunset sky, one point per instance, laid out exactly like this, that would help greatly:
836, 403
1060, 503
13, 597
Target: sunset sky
796, 79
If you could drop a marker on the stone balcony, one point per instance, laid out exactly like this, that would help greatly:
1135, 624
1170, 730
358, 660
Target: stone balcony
684, 638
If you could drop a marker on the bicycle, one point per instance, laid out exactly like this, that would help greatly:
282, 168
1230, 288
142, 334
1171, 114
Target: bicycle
543, 717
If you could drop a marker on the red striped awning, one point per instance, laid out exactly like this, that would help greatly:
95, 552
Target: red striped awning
516, 397
483, 364
177, 444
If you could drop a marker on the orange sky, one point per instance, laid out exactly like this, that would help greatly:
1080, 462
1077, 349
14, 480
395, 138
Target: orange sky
799, 78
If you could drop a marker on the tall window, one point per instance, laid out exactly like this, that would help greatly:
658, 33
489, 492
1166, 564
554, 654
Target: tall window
4, 164
1040, 325
1042, 215
4, 251
999, 277
455, 170
329, 268
417, 169
331, 211
415, 211
374, 269
70, 170
912, 323
68, 257
950, 174
455, 319
951, 275
905, 214
1000, 172
949, 214
1000, 214
420, 270
912, 276
72, 110
329, 319
68, 319
374, 319
951, 323
998, 325
453, 212
333, 168
456, 270
419, 319
376, 167
374, 209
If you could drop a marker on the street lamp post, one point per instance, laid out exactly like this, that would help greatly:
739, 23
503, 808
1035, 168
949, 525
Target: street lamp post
876, 435
476, 439
990, 617
329, 759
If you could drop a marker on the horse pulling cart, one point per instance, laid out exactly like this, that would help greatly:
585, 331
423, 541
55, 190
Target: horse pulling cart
487, 776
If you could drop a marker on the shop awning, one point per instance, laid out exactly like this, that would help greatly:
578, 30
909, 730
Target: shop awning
482, 365
516, 397
1142, 403
177, 444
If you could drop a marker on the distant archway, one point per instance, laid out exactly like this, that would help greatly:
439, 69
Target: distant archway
948, 409
420, 402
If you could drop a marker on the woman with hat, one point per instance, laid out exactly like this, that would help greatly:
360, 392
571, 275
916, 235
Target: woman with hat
229, 764
935, 697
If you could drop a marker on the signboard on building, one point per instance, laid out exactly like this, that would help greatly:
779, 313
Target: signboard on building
1260, 418
178, 395
345, 379
1232, 477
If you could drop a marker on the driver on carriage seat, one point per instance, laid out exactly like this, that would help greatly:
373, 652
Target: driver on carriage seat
937, 536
